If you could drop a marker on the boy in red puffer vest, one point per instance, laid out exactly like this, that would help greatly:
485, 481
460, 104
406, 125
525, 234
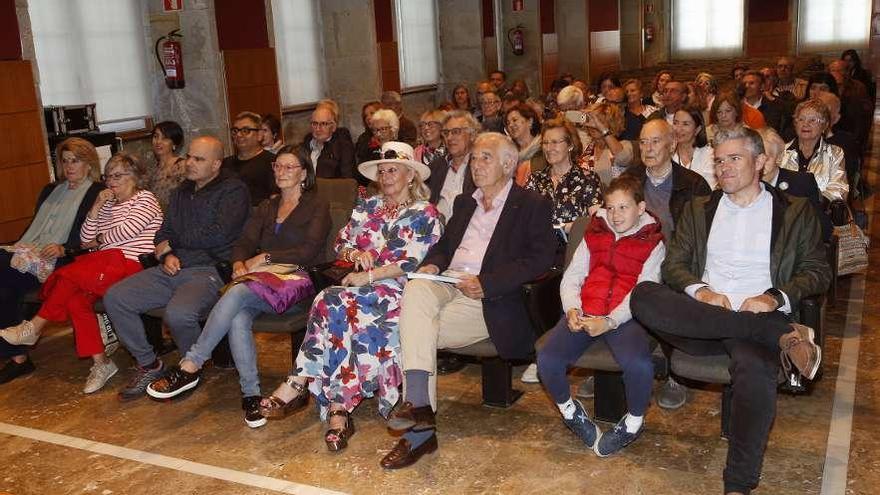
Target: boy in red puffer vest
622, 246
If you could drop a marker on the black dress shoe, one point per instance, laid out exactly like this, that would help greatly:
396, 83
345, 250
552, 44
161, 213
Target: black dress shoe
402, 455
449, 364
12, 370
412, 418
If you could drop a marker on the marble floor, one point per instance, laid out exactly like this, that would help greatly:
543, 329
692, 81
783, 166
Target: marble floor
55, 440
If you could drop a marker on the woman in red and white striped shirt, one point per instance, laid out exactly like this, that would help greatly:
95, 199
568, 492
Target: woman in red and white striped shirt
120, 226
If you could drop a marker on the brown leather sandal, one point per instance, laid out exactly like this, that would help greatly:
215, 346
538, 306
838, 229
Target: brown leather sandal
278, 409
337, 438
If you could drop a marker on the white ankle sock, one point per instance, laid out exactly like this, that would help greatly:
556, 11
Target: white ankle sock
567, 408
633, 423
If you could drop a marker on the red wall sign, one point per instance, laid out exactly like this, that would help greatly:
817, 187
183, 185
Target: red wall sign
172, 5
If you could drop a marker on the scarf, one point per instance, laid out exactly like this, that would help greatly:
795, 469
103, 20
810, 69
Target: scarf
56, 215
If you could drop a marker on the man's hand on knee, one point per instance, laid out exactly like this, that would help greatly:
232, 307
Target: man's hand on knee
470, 286
708, 296
171, 265
430, 269
763, 303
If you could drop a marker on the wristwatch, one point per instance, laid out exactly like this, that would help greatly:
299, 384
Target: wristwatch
267, 259
776, 294
606, 133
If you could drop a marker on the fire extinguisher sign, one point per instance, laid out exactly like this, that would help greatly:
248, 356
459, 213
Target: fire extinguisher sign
173, 5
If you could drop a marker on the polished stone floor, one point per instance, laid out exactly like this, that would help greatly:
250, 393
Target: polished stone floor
524, 449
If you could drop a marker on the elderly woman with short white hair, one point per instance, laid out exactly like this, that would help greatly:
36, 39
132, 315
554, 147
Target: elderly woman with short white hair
350, 351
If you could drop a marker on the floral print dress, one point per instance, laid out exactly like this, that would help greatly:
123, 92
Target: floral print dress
352, 340
573, 196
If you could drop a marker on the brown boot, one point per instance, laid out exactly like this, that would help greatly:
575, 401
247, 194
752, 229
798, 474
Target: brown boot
799, 349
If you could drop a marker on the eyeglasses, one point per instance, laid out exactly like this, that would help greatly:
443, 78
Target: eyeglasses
115, 176
284, 167
322, 125
387, 128
244, 131
455, 131
810, 120
553, 142
426, 125
387, 171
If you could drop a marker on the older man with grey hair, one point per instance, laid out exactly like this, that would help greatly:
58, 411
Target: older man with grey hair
498, 238
408, 132
736, 269
451, 174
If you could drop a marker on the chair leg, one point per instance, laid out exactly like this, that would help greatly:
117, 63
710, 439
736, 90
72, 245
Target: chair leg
296, 341
497, 383
610, 397
726, 398
222, 355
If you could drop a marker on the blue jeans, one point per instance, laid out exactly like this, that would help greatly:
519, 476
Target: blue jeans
629, 346
187, 297
233, 315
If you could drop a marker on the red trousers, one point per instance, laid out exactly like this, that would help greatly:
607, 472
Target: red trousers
71, 290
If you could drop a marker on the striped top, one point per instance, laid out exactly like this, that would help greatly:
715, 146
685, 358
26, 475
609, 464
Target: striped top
130, 226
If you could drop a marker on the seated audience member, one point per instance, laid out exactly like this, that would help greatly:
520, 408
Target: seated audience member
520, 89
482, 88
331, 151
524, 129
363, 150
170, 169
204, 218
490, 115
660, 80
451, 174
793, 182
385, 127
852, 154
821, 82
631, 124
621, 247
286, 233
789, 86
351, 347
753, 96
486, 303
738, 71
856, 109
509, 101
551, 99
604, 153
52, 235
707, 85
634, 104
499, 81
430, 138
575, 191
605, 83
675, 94
271, 136
857, 72
723, 298
120, 225
461, 98
250, 162
407, 129
570, 98
810, 152
728, 112
692, 149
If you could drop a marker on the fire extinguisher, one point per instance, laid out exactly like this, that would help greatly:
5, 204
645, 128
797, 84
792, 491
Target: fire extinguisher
649, 33
171, 59
516, 39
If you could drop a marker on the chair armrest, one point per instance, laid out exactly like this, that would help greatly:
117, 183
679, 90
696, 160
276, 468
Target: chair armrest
541, 297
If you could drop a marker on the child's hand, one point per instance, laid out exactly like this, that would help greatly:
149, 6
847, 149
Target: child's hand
595, 325
574, 320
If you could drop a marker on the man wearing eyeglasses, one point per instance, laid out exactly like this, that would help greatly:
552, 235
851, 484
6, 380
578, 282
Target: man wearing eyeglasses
332, 151
450, 174
787, 83
251, 162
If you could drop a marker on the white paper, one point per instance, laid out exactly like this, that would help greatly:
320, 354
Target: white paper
436, 278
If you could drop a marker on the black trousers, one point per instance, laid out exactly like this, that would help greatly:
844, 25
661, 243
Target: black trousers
13, 286
752, 342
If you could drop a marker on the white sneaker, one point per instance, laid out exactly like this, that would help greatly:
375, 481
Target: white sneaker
22, 334
99, 375
530, 375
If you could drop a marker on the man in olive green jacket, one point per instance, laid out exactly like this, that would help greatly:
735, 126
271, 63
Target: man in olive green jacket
737, 267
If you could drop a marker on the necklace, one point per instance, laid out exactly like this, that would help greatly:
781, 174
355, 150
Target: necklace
389, 209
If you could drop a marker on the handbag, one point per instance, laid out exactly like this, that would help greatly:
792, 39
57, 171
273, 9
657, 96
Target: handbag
852, 255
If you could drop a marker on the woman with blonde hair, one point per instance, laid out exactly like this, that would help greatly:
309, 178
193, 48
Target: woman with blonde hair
431, 139
604, 154
350, 351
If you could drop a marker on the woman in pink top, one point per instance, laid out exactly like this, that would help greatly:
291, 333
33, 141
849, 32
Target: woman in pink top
119, 227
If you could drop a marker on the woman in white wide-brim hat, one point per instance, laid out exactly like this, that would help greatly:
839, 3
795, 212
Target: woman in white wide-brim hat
352, 342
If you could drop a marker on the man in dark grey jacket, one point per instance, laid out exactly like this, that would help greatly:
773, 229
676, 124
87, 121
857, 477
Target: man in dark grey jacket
205, 216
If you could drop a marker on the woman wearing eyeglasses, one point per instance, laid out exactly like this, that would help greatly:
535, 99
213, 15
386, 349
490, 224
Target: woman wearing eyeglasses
811, 153
250, 162
284, 233
120, 226
52, 235
430, 137
352, 342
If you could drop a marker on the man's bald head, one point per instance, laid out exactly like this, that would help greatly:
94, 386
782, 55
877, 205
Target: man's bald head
204, 159
656, 143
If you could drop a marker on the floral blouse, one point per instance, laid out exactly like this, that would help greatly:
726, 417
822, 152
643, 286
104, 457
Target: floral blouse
163, 181
576, 192
402, 238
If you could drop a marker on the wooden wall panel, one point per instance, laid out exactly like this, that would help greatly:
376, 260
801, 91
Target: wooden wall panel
251, 81
23, 167
241, 25
390, 65
10, 40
